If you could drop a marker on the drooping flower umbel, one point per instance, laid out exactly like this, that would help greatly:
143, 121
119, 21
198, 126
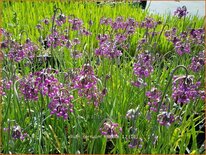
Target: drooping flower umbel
86, 84
110, 129
198, 62
16, 132
108, 49
135, 143
18, 51
165, 118
154, 97
42, 82
132, 114
184, 89
143, 67
181, 12
61, 103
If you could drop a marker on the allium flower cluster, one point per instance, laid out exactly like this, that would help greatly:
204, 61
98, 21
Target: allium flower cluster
185, 90
86, 84
154, 97
182, 47
19, 52
60, 104
135, 143
44, 83
181, 43
149, 23
108, 49
143, 67
132, 114
119, 24
198, 62
197, 36
6, 42
17, 133
181, 12
39, 82
165, 118
139, 83
61, 19
56, 39
110, 129
76, 23
106, 21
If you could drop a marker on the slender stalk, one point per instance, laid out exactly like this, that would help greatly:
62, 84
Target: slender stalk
169, 81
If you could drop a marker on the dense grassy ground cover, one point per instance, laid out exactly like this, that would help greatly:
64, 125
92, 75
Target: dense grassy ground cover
129, 84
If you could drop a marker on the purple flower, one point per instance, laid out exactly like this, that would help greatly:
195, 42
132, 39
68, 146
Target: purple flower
42, 82
184, 89
105, 21
181, 12
110, 129
17, 132
118, 23
76, 23
102, 38
149, 23
46, 21
132, 114
60, 104
61, 19
38, 26
86, 84
197, 62
138, 83
75, 41
135, 143
143, 67
165, 118
56, 40
18, 52
182, 47
154, 97
76, 54
85, 32
120, 38
108, 49
197, 36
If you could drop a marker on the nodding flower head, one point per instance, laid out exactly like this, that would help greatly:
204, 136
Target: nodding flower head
165, 118
105, 21
181, 12
76, 23
42, 82
139, 83
135, 143
110, 129
182, 47
18, 51
198, 62
143, 67
154, 97
197, 36
132, 114
149, 23
61, 19
108, 49
17, 132
61, 103
86, 84
185, 89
